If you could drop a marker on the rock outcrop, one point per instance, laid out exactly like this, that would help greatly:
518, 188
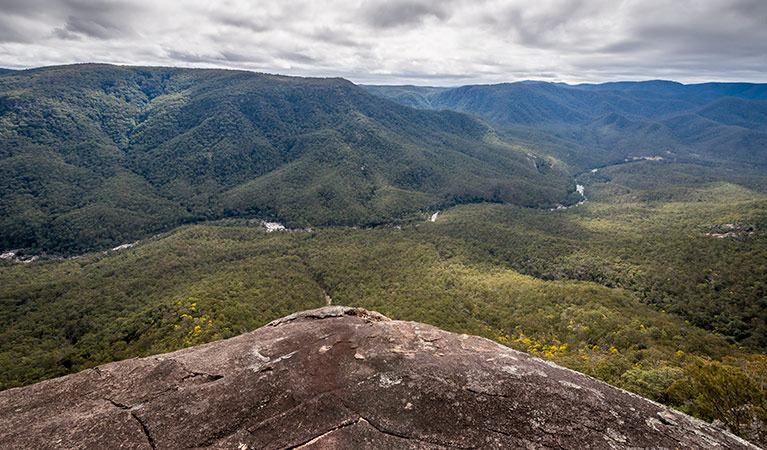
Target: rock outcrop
342, 378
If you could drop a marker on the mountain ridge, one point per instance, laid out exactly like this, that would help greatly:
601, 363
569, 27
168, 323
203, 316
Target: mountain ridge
705, 123
144, 149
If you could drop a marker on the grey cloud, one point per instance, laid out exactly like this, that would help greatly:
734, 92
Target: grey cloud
708, 34
652, 37
755, 9
64, 34
469, 41
9, 32
247, 23
101, 20
326, 34
550, 28
66, 19
224, 57
190, 57
9, 35
626, 46
240, 58
737, 16
660, 67
26, 8
295, 57
91, 28
431, 76
403, 12
699, 42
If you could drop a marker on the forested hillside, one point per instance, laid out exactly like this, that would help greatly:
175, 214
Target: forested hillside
656, 285
617, 229
141, 150
593, 125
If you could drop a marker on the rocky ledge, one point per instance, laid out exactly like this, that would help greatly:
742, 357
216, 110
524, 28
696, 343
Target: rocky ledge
342, 378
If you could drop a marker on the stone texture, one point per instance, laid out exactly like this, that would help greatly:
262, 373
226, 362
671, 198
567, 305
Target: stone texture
342, 378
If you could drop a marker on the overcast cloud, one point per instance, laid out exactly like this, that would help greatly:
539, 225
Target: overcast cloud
402, 41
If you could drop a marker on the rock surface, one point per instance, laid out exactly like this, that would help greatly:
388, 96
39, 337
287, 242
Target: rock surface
342, 378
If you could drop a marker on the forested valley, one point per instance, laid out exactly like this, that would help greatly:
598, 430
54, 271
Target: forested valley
620, 241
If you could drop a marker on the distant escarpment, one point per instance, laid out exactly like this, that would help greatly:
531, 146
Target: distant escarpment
593, 125
342, 378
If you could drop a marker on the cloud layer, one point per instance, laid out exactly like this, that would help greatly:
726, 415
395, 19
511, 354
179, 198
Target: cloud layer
449, 42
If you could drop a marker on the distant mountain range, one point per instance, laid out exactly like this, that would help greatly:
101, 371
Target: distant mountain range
591, 125
98, 155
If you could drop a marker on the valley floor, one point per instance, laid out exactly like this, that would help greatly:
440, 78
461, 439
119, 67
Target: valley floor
635, 287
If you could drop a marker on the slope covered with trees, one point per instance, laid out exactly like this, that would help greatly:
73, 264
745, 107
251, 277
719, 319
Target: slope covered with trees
652, 281
139, 150
654, 286
593, 125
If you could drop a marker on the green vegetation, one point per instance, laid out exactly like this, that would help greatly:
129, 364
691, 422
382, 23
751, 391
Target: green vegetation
589, 287
656, 284
96, 155
731, 393
596, 125
666, 252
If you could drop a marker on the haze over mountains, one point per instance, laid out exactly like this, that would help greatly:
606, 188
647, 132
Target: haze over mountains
589, 125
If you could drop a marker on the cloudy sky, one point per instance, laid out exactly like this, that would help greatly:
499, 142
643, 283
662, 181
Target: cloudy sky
449, 42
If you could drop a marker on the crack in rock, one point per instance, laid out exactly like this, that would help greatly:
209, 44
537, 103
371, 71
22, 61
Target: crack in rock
350, 371
344, 424
145, 430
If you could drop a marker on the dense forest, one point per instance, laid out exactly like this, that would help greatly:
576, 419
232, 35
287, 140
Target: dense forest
588, 287
97, 155
592, 233
592, 125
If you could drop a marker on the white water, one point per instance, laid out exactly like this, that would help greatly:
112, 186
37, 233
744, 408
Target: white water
579, 188
11, 256
646, 158
273, 226
124, 246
